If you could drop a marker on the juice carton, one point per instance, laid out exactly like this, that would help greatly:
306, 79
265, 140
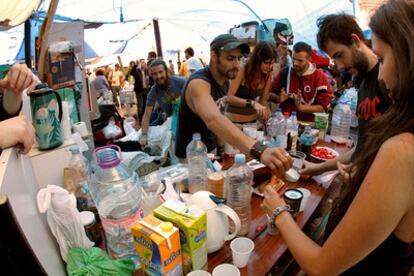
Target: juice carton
192, 224
158, 247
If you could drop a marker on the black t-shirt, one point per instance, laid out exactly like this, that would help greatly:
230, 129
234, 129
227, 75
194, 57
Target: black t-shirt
189, 122
373, 101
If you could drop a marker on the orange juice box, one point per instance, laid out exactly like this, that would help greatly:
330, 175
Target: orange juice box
158, 247
192, 224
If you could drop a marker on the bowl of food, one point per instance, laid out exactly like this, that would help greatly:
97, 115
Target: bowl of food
323, 153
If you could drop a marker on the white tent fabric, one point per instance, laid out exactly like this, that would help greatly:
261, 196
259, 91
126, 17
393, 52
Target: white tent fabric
14, 13
190, 22
182, 23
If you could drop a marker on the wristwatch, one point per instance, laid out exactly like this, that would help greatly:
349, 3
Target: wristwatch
257, 150
249, 103
277, 212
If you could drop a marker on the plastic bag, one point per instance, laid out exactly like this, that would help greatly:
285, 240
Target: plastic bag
112, 131
63, 218
94, 261
129, 124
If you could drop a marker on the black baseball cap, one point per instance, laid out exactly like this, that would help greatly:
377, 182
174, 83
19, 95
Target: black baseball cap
228, 42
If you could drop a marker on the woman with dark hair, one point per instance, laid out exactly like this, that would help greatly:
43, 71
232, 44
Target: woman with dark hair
371, 231
252, 82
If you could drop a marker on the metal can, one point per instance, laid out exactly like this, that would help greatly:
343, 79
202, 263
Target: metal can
293, 198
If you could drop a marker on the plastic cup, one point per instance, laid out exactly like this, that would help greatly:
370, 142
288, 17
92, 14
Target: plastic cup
306, 195
298, 158
259, 135
199, 273
226, 270
241, 248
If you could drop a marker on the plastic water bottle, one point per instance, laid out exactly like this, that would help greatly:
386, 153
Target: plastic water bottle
238, 184
115, 190
306, 141
292, 127
341, 121
196, 160
79, 168
280, 130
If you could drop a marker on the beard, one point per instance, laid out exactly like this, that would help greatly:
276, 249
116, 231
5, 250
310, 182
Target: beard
228, 73
162, 83
359, 62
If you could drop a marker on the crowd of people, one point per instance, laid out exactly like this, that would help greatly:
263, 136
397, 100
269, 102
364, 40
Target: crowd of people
370, 230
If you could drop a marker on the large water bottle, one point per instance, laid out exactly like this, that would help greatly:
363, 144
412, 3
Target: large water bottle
196, 160
79, 169
292, 127
341, 121
280, 130
115, 190
238, 184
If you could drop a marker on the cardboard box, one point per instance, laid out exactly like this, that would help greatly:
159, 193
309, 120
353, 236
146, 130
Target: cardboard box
192, 223
158, 247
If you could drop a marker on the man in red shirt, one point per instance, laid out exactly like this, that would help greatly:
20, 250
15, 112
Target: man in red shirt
302, 87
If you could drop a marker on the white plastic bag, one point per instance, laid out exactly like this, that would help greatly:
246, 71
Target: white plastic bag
63, 218
111, 131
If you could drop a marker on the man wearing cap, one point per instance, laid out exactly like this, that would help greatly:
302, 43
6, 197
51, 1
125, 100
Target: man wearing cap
164, 92
199, 112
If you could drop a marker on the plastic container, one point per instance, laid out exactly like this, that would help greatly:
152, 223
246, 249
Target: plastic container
196, 160
91, 227
341, 121
79, 167
292, 127
115, 190
280, 130
306, 141
238, 184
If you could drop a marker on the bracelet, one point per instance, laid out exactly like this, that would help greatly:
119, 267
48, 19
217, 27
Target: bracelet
257, 150
144, 134
249, 103
277, 212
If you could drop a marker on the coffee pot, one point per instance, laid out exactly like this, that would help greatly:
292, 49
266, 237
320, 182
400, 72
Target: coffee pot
46, 107
217, 218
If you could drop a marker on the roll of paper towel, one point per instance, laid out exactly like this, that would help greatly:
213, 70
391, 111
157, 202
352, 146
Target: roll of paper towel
80, 128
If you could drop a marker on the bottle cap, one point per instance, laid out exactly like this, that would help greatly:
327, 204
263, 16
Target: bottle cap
87, 217
74, 150
196, 136
240, 158
166, 226
294, 113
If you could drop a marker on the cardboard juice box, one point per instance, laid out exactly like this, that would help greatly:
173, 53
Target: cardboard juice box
192, 224
158, 247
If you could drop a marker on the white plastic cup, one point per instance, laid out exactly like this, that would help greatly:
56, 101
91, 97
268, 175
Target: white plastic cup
306, 195
199, 273
226, 270
241, 248
259, 135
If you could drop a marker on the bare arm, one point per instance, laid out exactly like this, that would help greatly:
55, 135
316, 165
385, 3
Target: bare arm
265, 96
374, 214
201, 103
311, 108
330, 165
18, 79
145, 124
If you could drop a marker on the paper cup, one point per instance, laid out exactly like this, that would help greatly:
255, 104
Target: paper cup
241, 248
306, 194
226, 270
199, 273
